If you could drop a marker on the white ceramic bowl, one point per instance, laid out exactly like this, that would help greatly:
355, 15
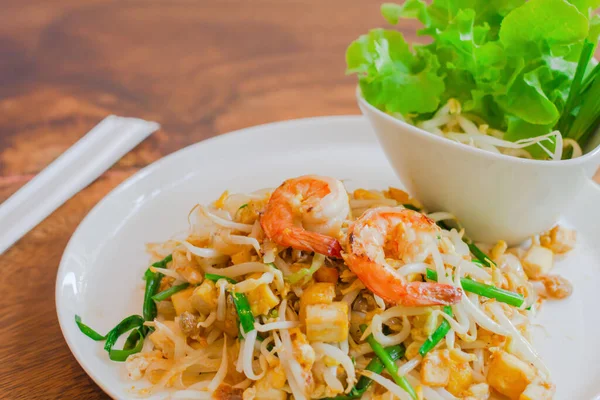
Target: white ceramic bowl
494, 196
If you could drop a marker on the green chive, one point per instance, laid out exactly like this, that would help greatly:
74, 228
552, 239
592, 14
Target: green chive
165, 294
215, 278
438, 335
481, 289
87, 331
134, 344
390, 365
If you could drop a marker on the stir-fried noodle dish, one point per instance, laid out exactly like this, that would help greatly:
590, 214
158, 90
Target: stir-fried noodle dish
308, 291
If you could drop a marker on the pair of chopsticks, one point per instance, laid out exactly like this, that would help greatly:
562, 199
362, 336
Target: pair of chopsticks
76, 168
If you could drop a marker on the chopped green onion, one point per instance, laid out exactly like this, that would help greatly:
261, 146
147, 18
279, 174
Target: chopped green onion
87, 331
215, 278
159, 264
317, 262
152, 284
243, 206
376, 366
129, 323
242, 306
165, 294
390, 365
480, 255
240, 301
481, 289
133, 344
438, 335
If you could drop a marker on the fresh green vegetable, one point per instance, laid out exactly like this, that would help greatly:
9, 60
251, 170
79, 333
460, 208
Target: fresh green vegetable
438, 335
518, 65
133, 344
87, 331
165, 294
376, 366
240, 301
481, 289
215, 278
480, 256
243, 206
317, 262
152, 284
390, 365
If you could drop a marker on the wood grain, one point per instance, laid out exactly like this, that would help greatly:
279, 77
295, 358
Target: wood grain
200, 68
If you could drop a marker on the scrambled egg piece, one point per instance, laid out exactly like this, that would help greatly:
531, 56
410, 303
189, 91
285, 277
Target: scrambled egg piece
316, 293
509, 375
327, 322
435, 369
204, 297
181, 301
262, 299
136, 364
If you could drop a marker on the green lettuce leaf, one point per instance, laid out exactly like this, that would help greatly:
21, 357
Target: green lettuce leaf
540, 22
391, 76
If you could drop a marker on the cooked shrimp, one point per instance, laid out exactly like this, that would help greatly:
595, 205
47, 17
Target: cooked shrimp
306, 213
400, 234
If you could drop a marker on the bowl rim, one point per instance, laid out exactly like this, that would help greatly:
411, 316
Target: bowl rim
584, 159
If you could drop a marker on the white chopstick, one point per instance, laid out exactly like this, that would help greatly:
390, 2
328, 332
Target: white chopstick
76, 168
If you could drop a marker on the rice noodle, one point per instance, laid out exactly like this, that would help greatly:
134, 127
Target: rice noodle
181, 347
200, 251
239, 269
246, 228
289, 363
476, 313
248, 356
167, 272
214, 335
389, 340
208, 321
345, 361
330, 377
242, 240
409, 366
222, 371
276, 325
521, 346
379, 301
222, 300
386, 383
414, 268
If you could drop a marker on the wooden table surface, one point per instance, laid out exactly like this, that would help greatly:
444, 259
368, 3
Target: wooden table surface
200, 68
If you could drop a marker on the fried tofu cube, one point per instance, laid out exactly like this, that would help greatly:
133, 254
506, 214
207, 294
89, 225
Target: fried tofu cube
327, 322
204, 297
241, 257
509, 375
262, 299
558, 239
538, 390
538, 261
317, 293
181, 301
327, 274
461, 377
435, 370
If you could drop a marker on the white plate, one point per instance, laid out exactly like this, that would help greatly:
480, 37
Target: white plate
100, 275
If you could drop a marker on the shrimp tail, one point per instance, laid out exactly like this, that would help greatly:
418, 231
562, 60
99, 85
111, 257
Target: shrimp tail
312, 241
430, 294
